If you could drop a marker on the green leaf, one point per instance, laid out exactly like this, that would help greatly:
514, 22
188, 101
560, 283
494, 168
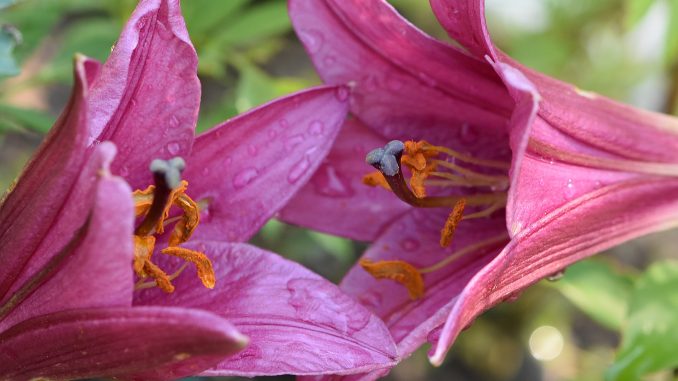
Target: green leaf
15, 118
92, 37
204, 17
8, 40
259, 22
256, 87
650, 335
634, 11
671, 49
597, 290
340, 248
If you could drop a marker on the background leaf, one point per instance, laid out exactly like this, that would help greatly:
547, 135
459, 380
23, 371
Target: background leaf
650, 335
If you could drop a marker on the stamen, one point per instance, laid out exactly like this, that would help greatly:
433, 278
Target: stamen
154, 204
161, 278
375, 179
189, 219
143, 249
202, 263
453, 219
466, 158
399, 271
468, 249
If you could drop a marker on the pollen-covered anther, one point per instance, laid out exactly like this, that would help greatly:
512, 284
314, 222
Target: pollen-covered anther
447, 233
399, 271
200, 260
376, 179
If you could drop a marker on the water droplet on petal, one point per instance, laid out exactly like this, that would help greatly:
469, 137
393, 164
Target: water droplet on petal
272, 134
174, 121
228, 161
293, 141
370, 83
556, 276
427, 80
284, 123
329, 61
312, 39
342, 94
252, 150
570, 190
328, 182
298, 170
409, 244
124, 171
205, 171
244, 177
468, 134
173, 148
316, 128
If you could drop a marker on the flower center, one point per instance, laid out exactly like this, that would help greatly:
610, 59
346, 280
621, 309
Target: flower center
154, 204
435, 166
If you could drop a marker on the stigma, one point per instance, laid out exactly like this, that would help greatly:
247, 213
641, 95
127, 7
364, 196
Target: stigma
153, 205
428, 165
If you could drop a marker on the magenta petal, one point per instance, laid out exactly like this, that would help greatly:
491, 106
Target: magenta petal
464, 21
246, 183
147, 94
96, 273
116, 342
415, 238
335, 200
585, 226
33, 206
297, 322
387, 60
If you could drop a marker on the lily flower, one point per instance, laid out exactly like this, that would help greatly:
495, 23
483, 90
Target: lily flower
84, 284
512, 175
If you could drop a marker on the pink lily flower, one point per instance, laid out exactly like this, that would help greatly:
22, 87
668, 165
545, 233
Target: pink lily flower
549, 174
74, 234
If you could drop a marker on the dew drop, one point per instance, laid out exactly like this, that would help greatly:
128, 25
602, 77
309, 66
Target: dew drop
174, 121
284, 123
228, 161
124, 171
329, 61
173, 148
293, 141
298, 170
342, 94
272, 134
244, 177
252, 150
570, 189
427, 80
312, 39
370, 83
409, 244
205, 171
556, 276
328, 182
316, 128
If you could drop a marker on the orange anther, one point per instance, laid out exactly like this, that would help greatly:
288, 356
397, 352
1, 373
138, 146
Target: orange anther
202, 263
375, 179
399, 271
161, 279
143, 249
143, 200
447, 233
189, 220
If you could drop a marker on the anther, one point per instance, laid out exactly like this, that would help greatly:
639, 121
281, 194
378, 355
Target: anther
399, 271
447, 233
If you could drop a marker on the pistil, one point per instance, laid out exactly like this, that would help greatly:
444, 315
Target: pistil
154, 203
421, 158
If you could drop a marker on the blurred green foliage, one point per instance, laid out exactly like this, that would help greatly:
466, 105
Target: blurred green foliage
248, 55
